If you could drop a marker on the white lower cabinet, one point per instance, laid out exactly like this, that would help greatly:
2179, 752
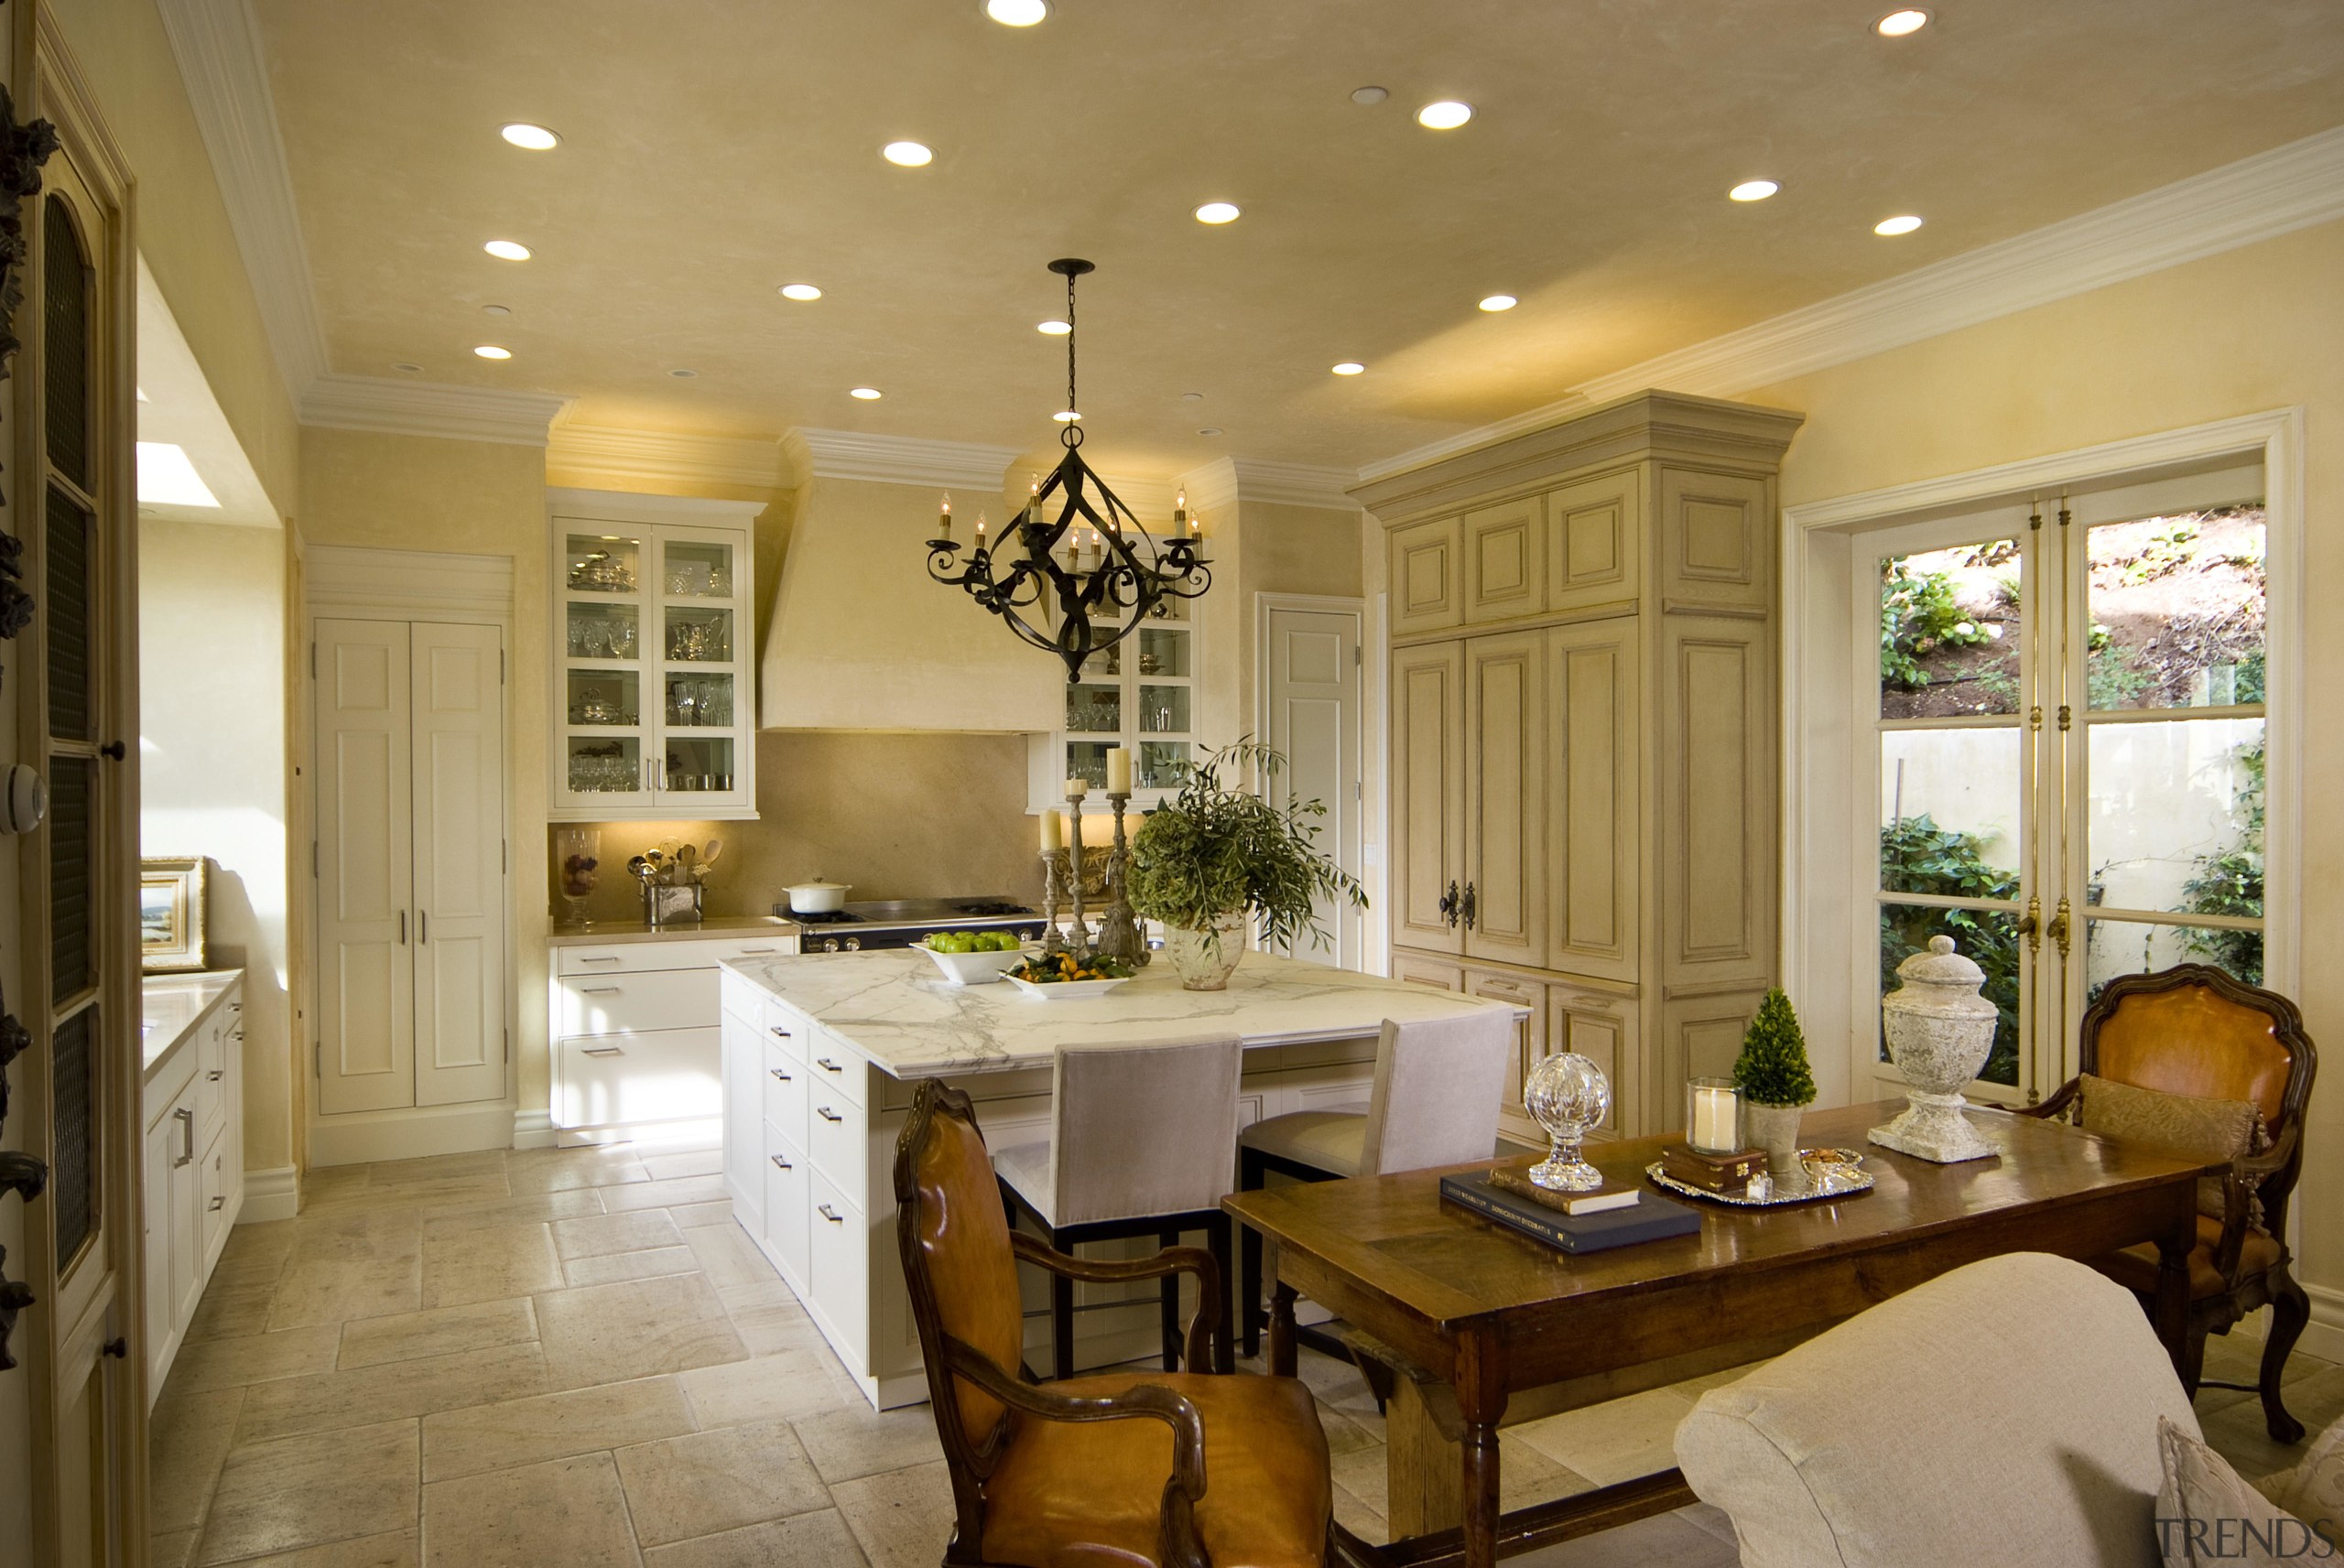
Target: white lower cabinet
839, 1269
636, 1040
193, 1175
788, 1208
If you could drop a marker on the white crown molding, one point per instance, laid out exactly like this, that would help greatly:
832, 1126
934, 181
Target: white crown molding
217, 45
430, 409
2243, 203
598, 455
346, 577
1226, 481
1149, 498
1212, 489
894, 459
588, 505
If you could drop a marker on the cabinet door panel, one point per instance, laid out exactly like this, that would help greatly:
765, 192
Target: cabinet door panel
1602, 1027
1506, 571
789, 1206
1427, 792
1447, 976
1717, 539
1427, 583
1595, 540
459, 749
365, 867
1505, 798
1595, 798
1529, 1045
1718, 796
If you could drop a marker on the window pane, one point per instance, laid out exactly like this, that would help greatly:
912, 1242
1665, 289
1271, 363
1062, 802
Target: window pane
1950, 812
2176, 610
65, 321
1950, 631
2136, 948
2176, 816
1989, 938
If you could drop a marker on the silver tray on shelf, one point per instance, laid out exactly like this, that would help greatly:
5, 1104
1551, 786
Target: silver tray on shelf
1831, 1173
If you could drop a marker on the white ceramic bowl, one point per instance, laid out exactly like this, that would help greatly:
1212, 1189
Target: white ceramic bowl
974, 969
1067, 990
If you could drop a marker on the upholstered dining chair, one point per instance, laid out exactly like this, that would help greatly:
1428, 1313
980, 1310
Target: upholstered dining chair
2195, 1030
1177, 1470
1139, 1145
1434, 1102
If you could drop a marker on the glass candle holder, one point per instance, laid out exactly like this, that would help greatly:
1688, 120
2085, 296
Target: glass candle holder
1712, 1116
578, 855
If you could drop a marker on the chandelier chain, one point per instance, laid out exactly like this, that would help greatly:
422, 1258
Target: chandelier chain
1073, 406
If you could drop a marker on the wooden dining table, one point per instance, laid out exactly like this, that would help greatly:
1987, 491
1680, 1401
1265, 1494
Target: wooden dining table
1481, 1324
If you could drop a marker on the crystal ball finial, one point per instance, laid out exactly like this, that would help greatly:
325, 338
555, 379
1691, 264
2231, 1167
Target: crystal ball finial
1569, 1096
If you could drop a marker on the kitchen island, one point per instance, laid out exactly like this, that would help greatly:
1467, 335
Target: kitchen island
822, 1053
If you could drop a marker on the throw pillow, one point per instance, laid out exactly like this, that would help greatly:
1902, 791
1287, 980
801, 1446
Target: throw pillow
2207, 1513
2314, 1490
2214, 1130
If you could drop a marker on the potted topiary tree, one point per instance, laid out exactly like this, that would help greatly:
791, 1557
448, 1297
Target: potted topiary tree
1775, 1082
1213, 854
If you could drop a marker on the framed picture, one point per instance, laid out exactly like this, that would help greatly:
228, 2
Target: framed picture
171, 915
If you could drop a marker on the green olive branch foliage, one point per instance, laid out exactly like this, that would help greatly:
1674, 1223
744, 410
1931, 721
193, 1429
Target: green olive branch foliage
1215, 849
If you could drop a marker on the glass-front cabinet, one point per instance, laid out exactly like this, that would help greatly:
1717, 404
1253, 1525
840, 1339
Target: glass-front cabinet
1140, 694
653, 677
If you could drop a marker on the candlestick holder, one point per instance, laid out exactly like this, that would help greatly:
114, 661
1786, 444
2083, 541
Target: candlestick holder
1119, 932
1053, 942
1081, 945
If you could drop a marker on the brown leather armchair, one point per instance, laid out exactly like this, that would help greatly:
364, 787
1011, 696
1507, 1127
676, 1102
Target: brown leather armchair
2193, 1030
1111, 1468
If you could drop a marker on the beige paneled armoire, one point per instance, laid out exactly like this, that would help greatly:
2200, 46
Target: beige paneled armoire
1583, 732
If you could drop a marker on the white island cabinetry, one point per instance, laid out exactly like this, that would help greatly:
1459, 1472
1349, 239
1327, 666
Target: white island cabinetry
193, 1114
822, 1052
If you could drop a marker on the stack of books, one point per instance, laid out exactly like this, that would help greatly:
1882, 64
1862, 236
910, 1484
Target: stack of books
1712, 1172
1575, 1222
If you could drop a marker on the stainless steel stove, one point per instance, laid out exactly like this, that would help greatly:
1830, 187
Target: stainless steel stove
906, 923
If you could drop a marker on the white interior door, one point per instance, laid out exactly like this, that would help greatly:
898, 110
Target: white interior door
366, 866
1311, 716
459, 845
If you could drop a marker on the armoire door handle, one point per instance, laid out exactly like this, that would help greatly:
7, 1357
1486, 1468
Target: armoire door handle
1448, 906
1470, 907
402, 927
115, 750
422, 926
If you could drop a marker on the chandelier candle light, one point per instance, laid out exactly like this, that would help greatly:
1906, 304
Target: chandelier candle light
1113, 574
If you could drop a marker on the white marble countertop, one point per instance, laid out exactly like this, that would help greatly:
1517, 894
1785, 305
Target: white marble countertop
897, 1009
713, 927
172, 1005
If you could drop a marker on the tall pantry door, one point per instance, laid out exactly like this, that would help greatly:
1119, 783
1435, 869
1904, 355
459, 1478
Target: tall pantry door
457, 707
365, 867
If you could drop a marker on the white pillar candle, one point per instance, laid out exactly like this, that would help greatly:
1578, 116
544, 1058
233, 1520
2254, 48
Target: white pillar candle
1713, 1115
1053, 835
1075, 788
1119, 772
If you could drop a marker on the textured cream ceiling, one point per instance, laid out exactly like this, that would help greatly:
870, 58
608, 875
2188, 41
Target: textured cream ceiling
715, 151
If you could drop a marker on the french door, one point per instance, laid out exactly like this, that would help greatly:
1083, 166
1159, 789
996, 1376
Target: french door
2067, 746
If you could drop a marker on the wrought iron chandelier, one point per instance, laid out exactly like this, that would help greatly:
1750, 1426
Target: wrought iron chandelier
1057, 590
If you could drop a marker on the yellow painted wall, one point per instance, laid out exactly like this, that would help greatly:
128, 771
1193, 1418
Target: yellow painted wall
183, 226
410, 492
2256, 328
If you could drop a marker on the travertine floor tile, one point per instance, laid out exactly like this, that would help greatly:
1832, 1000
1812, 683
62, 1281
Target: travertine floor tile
304, 1491
664, 1194
807, 1540
1613, 1441
569, 1513
728, 1255
450, 1219
609, 1267
395, 1548
391, 1388
854, 1440
563, 1170
171, 1548
636, 1329
793, 1383
1359, 1517
770, 1330
1665, 1538
553, 1426
637, 1230
683, 1486
335, 1290
408, 1194
437, 1331
492, 1263
692, 1216
393, 1231
230, 1363
435, 1170
694, 1163
901, 1519
188, 1437
232, 1308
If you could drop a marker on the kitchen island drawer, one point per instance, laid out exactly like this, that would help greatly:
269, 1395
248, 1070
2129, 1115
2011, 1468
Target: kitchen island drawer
839, 1269
666, 953
784, 1091
655, 1075
837, 1070
633, 1003
834, 1137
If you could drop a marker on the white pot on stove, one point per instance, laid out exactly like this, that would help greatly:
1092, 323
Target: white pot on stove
817, 897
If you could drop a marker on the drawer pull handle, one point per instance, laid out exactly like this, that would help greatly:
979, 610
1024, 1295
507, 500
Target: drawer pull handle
598, 990
827, 1114
186, 1128
756, 952
611, 959
235, 1007
779, 1073
603, 1051
215, 1074
829, 1213
219, 1203
783, 1033
828, 1065
781, 1162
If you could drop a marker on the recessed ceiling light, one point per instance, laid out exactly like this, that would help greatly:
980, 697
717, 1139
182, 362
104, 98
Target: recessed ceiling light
1894, 226
1217, 212
1368, 94
507, 250
1017, 13
1209, 430
491, 352
535, 138
496, 311
906, 155
410, 369
1496, 302
1754, 191
1055, 328
1444, 115
1900, 24
800, 291
683, 374
868, 394
1067, 417
1350, 367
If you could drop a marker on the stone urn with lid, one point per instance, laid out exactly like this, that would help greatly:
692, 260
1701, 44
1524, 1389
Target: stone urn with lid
1940, 1032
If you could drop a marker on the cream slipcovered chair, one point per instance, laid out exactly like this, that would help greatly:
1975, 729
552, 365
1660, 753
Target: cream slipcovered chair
1434, 1102
2004, 1413
1139, 1145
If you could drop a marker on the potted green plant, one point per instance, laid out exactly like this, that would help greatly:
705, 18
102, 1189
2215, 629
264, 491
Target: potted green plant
1215, 853
1775, 1082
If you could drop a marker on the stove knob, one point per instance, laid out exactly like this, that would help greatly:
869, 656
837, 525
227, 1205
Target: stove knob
830, 944
854, 944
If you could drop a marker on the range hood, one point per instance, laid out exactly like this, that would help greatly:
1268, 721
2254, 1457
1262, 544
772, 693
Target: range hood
861, 638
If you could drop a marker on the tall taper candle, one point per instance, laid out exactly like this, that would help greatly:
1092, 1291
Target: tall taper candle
1119, 771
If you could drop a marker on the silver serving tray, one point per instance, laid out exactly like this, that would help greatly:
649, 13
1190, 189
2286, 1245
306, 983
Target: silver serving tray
1844, 1175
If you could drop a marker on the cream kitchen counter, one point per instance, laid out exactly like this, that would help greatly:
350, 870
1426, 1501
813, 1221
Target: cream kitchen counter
713, 926
822, 1053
